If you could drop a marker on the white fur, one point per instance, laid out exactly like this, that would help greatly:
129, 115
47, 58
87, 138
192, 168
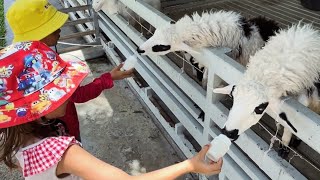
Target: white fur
287, 65
211, 29
117, 7
136, 169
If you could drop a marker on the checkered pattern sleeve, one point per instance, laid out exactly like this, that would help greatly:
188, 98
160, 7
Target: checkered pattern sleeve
46, 154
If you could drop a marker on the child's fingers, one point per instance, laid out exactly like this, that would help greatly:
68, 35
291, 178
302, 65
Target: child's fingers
130, 71
204, 150
127, 73
215, 172
216, 167
219, 163
119, 66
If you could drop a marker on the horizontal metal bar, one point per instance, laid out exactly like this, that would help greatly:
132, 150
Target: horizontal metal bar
74, 48
74, 3
78, 21
77, 35
76, 8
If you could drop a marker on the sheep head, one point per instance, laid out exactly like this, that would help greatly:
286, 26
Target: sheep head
108, 6
164, 41
250, 101
249, 105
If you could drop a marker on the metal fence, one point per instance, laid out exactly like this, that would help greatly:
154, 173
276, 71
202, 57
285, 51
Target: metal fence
250, 157
85, 20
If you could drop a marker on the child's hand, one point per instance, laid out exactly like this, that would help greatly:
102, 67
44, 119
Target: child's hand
117, 74
199, 165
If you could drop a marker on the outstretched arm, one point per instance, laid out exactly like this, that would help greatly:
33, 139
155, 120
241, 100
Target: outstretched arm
105, 81
79, 162
92, 90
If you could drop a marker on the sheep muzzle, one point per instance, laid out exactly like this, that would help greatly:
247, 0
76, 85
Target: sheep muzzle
233, 134
140, 51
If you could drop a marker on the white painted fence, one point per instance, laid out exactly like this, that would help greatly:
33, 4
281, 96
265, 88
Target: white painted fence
249, 157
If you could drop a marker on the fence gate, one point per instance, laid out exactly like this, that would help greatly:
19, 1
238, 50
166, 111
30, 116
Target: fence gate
85, 20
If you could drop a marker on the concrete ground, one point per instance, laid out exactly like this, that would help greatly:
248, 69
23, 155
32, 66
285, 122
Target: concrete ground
116, 128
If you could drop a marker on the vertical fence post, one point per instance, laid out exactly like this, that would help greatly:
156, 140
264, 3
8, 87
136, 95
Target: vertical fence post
95, 17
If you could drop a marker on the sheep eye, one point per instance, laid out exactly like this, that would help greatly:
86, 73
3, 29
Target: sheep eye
259, 109
160, 48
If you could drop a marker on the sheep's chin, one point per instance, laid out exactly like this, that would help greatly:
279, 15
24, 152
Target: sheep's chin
162, 53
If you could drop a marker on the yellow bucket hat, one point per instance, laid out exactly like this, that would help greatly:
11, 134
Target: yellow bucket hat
34, 19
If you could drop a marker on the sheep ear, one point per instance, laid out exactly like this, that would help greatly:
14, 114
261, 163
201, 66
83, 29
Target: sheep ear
225, 90
284, 117
184, 47
172, 22
276, 108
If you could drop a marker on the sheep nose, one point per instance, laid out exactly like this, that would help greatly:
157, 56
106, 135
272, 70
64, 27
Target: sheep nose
233, 135
140, 51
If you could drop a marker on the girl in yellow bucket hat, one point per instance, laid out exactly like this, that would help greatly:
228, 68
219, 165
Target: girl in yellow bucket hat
39, 20
31, 100
35, 20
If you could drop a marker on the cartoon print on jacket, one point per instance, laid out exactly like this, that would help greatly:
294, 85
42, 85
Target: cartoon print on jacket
4, 92
23, 45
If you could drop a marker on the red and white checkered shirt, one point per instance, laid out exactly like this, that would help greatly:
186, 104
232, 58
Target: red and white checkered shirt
43, 155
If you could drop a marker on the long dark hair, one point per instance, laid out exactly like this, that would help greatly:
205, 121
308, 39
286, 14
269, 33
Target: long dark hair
13, 138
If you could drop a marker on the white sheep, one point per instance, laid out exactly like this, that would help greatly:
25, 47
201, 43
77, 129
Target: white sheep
289, 64
212, 29
117, 7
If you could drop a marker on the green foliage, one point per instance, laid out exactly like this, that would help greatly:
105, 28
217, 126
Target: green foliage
2, 25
